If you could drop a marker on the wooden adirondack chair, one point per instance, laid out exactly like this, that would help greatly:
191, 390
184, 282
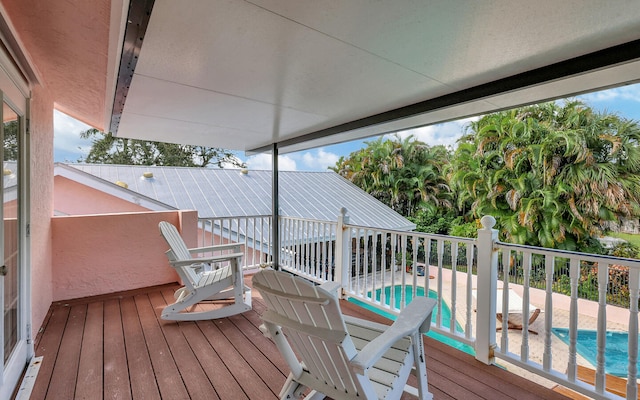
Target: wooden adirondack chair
202, 282
339, 356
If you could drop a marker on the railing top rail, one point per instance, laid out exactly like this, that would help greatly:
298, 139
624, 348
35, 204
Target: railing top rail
235, 217
598, 258
308, 219
434, 236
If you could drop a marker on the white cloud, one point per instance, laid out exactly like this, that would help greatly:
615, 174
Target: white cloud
631, 92
319, 159
263, 162
441, 134
67, 141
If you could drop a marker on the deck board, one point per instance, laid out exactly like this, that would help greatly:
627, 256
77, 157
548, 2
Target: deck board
194, 377
137, 357
116, 376
118, 347
89, 383
47, 346
243, 372
164, 365
65, 371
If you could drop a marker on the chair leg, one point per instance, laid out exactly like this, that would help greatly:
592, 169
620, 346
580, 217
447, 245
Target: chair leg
173, 312
223, 312
421, 367
292, 389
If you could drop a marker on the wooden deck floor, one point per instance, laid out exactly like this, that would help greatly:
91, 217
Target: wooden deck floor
117, 347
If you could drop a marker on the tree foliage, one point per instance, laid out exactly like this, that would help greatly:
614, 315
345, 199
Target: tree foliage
107, 149
405, 174
551, 174
11, 140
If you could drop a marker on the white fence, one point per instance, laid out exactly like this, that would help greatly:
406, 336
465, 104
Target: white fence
253, 232
383, 270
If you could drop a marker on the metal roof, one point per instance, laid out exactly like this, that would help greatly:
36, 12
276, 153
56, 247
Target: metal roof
217, 193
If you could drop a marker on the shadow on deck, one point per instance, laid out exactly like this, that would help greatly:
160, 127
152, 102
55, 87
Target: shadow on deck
116, 346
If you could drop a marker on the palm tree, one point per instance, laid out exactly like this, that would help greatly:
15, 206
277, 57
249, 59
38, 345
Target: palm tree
405, 174
552, 174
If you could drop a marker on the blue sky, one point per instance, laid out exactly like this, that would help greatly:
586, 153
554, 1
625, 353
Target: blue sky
69, 147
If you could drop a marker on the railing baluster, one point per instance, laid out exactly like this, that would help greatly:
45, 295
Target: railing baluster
526, 312
353, 264
246, 241
454, 285
330, 259
506, 266
374, 264
427, 264
403, 275
325, 260
368, 262
300, 241
314, 249
383, 245
414, 275
394, 252
469, 325
634, 291
549, 267
574, 274
440, 254
308, 235
603, 282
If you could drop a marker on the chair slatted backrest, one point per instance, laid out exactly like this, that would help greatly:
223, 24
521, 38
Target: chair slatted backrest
178, 251
312, 322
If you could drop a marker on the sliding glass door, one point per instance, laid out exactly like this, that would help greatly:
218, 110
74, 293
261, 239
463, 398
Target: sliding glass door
14, 297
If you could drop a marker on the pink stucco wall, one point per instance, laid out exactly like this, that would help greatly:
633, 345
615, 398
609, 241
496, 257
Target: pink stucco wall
73, 198
41, 192
99, 254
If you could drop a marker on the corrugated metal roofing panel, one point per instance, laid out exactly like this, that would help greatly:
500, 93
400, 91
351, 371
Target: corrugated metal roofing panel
216, 193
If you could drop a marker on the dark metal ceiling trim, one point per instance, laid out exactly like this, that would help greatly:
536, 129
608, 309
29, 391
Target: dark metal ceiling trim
591, 62
137, 22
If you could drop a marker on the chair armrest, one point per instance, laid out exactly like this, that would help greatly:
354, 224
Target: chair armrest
205, 260
416, 317
219, 247
332, 287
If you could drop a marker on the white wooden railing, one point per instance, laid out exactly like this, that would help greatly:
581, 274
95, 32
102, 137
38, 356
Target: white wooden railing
382, 269
254, 232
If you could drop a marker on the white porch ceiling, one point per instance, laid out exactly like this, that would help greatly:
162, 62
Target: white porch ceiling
245, 74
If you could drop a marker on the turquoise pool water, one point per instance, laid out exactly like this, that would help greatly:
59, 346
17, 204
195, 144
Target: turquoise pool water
616, 348
446, 313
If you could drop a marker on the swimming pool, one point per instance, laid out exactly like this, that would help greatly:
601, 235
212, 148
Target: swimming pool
446, 313
616, 348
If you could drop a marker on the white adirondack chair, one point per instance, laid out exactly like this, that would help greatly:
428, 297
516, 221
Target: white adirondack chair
203, 281
340, 356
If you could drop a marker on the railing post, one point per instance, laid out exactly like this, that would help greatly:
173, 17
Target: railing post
342, 250
486, 291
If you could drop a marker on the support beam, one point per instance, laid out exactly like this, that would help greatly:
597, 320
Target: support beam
584, 64
138, 18
275, 209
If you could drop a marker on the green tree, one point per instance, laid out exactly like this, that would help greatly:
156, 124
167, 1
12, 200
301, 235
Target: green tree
11, 141
107, 149
405, 174
551, 173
